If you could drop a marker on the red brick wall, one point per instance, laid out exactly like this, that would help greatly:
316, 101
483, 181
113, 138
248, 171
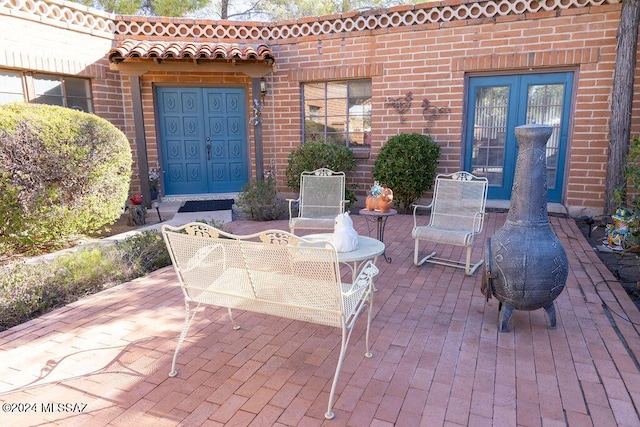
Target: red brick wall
432, 60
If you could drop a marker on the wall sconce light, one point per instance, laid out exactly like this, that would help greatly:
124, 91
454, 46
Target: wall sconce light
263, 87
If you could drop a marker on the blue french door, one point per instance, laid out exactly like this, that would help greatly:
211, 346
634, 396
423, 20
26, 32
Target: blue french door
496, 105
203, 139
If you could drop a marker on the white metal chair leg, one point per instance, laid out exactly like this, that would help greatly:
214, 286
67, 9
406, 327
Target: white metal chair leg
187, 323
467, 268
235, 326
416, 252
346, 336
343, 349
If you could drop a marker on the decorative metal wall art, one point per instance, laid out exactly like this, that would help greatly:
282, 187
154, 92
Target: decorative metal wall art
257, 112
431, 112
401, 104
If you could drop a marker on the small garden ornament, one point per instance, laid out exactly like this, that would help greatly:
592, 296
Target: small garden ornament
345, 237
137, 211
616, 233
381, 199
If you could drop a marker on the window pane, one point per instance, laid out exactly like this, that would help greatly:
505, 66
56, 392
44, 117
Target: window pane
77, 87
337, 90
50, 100
47, 85
314, 91
10, 87
314, 111
48, 90
81, 104
360, 89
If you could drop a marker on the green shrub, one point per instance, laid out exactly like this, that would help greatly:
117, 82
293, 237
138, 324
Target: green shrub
315, 155
142, 253
63, 173
629, 195
407, 164
260, 201
29, 290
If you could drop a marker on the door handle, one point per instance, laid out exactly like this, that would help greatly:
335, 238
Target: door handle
208, 149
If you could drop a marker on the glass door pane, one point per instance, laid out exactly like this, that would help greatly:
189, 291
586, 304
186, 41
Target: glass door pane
544, 106
496, 105
489, 128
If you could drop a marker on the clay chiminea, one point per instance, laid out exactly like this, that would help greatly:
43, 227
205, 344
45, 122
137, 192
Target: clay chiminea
526, 266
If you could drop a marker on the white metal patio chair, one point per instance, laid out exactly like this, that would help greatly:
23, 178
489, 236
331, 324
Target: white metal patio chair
321, 200
457, 215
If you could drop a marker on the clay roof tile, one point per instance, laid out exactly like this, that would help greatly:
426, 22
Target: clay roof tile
148, 49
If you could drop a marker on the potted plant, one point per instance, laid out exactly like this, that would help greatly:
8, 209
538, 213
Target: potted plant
154, 179
624, 233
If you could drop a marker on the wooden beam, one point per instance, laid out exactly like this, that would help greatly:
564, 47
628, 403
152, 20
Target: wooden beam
141, 141
139, 67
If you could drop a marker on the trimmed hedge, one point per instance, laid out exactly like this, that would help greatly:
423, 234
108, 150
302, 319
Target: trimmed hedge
407, 164
63, 173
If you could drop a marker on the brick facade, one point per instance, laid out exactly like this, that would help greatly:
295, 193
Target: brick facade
428, 49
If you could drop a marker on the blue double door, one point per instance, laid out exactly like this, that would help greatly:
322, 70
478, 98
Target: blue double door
203, 139
496, 106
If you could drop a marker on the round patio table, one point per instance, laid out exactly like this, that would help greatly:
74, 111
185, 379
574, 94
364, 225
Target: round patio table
368, 249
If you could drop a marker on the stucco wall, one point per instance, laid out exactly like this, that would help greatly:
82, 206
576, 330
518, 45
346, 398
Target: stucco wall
63, 38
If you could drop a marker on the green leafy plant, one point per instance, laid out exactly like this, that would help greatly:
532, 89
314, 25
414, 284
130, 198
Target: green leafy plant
628, 197
407, 164
315, 155
142, 253
260, 201
30, 290
63, 173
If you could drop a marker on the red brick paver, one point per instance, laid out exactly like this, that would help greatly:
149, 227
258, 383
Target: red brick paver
438, 356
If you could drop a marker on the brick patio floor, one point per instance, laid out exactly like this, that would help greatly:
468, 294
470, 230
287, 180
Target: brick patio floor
438, 356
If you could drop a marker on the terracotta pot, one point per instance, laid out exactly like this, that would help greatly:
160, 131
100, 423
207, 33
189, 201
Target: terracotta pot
371, 202
385, 201
382, 203
384, 206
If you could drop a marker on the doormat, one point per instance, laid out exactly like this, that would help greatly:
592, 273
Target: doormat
206, 205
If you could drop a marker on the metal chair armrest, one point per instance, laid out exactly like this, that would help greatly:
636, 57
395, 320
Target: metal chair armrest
415, 209
291, 202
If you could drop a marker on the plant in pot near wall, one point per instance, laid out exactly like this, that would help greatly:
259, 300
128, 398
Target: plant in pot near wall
154, 182
624, 233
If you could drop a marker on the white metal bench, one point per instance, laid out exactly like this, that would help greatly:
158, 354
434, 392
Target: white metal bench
273, 273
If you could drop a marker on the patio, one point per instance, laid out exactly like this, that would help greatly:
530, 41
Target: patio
438, 356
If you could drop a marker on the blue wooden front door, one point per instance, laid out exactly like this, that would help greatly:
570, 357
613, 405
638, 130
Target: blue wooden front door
203, 139
496, 105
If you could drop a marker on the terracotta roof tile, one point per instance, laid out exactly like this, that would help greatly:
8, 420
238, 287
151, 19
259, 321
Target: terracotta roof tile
148, 49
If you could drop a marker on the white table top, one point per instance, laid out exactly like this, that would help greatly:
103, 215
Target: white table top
368, 247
